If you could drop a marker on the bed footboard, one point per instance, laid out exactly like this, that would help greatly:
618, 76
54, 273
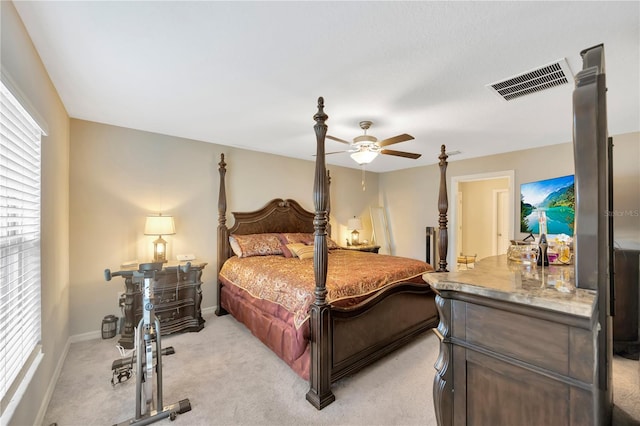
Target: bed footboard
371, 330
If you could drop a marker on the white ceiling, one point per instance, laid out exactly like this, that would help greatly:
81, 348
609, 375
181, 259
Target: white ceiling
248, 74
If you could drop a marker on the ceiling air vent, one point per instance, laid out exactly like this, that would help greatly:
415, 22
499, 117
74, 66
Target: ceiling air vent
545, 77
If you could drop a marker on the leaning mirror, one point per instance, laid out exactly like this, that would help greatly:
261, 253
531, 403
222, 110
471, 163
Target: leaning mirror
380, 234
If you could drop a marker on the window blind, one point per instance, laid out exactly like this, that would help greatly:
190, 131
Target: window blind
20, 318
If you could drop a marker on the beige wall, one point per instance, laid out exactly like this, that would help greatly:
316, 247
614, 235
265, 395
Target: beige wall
22, 64
626, 190
410, 196
120, 175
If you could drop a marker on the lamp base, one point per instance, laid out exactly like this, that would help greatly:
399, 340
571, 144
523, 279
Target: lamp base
160, 250
160, 258
355, 238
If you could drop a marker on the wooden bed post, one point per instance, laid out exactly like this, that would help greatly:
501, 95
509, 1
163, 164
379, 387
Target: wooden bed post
443, 206
319, 394
328, 198
222, 229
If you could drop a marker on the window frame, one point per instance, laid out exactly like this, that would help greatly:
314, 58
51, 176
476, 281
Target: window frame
20, 240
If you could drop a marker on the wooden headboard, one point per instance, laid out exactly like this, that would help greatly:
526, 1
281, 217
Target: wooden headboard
278, 215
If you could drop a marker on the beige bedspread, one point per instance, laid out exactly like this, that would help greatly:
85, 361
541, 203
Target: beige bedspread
290, 282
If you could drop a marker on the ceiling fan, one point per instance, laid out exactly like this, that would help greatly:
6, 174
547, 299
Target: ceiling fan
365, 148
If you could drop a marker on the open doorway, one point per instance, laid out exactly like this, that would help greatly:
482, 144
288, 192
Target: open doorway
482, 217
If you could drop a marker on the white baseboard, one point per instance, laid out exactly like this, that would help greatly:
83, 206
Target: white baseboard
90, 335
52, 384
209, 310
54, 379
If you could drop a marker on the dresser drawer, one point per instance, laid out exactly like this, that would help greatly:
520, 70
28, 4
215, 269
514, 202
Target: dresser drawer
171, 278
171, 294
550, 345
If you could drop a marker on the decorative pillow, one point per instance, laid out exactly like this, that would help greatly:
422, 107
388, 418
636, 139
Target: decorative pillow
286, 252
305, 238
294, 247
255, 245
298, 237
301, 250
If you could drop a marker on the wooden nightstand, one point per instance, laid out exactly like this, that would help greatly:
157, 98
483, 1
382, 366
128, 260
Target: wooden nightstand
364, 247
178, 295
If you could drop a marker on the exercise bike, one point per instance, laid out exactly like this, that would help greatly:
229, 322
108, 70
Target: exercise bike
148, 408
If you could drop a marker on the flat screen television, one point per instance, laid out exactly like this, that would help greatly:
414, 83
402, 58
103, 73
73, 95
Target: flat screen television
555, 197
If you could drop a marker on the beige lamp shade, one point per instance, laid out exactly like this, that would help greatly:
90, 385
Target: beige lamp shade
354, 224
159, 225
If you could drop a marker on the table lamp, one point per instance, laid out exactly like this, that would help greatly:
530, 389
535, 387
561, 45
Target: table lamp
354, 224
159, 225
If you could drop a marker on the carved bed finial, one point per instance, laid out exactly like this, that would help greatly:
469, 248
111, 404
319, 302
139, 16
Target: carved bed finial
320, 117
443, 206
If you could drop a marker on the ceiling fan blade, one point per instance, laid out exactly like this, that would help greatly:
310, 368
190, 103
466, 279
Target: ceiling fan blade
333, 152
401, 154
337, 139
396, 139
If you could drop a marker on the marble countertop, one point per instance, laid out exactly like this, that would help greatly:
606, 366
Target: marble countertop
552, 287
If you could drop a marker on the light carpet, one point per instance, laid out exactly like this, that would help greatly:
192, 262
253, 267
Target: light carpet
231, 378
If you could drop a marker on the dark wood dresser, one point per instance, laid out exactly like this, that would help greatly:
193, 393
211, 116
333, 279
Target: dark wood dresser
518, 346
178, 299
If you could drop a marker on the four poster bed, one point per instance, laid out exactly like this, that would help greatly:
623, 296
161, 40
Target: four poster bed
327, 312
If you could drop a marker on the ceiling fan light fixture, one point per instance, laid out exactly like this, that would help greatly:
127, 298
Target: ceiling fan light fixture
364, 156
367, 139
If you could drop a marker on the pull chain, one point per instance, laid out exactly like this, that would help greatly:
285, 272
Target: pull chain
364, 188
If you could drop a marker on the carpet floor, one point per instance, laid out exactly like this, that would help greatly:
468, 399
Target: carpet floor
230, 378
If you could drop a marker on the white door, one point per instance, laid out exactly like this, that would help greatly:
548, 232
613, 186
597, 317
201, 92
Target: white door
459, 225
502, 222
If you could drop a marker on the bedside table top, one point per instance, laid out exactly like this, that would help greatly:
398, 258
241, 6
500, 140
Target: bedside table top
172, 264
361, 247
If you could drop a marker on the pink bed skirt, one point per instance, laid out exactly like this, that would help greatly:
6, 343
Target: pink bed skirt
273, 325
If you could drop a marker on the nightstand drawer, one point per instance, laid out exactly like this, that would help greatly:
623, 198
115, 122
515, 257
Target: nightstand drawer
177, 298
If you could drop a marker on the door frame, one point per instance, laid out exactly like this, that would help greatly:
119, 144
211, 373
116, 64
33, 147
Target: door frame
453, 225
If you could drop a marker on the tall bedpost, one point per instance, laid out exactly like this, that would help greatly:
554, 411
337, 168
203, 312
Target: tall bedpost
222, 228
328, 204
328, 197
443, 206
319, 394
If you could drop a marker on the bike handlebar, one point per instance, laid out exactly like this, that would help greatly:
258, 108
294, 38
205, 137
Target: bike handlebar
108, 274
